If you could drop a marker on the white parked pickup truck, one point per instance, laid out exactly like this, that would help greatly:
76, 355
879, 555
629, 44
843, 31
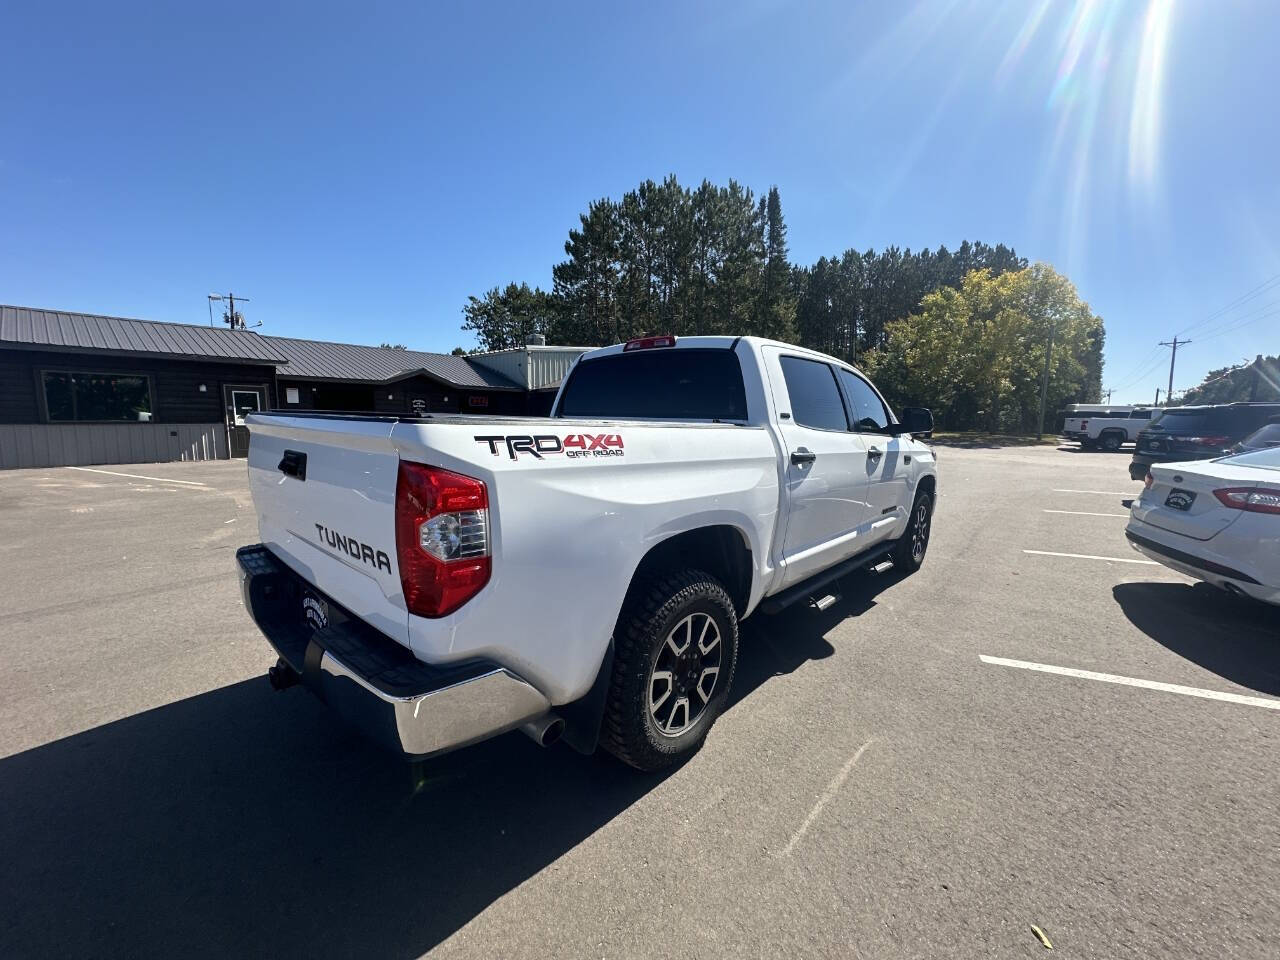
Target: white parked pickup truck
1107, 427
442, 579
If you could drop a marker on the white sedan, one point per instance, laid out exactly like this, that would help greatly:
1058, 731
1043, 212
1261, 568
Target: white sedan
1215, 520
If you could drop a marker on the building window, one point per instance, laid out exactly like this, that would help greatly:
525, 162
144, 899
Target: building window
290, 394
96, 396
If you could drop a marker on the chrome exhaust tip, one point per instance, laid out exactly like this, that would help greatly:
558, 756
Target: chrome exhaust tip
544, 730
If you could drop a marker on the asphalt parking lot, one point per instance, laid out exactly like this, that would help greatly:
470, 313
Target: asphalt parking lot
878, 789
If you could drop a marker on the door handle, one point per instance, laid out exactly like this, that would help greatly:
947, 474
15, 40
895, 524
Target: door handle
803, 456
874, 453
294, 464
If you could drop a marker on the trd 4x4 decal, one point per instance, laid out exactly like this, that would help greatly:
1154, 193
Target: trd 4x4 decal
575, 445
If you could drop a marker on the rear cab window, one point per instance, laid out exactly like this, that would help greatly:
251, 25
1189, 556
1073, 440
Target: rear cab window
667, 384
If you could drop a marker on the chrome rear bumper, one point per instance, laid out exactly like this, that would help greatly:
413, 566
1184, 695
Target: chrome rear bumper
410, 707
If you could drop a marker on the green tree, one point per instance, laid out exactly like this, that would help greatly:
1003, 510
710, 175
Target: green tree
714, 260
1259, 380
507, 318
777, 311
976, 354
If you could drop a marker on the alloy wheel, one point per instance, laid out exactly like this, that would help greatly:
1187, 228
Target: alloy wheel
920, 531
684, 674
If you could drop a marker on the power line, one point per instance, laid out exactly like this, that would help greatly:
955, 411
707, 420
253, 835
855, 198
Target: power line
1141, 376
1243, 365
1268, 310
1130, 380
1261, 288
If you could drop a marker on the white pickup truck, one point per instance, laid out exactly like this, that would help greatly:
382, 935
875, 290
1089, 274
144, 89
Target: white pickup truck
1107, 427
442, 579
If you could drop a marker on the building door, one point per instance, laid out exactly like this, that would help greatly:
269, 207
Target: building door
240, 401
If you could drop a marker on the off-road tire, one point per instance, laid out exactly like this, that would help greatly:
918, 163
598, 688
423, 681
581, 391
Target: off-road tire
653, 610
906, 558
1111, 442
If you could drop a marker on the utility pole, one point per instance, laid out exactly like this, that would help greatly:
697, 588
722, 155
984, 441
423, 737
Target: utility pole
1108, 398
1044, 387
234, 320
1174, 356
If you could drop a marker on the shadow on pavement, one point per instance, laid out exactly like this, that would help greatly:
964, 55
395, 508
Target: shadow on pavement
246, 822
1237, 639
986, 441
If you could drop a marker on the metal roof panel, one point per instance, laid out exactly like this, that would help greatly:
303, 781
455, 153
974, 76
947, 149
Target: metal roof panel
34, 327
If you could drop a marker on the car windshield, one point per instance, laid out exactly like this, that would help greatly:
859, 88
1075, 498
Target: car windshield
1268, 436
1267, 458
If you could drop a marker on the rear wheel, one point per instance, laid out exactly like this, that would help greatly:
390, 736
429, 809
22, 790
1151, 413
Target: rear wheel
676, 649
908, 555
1111, 442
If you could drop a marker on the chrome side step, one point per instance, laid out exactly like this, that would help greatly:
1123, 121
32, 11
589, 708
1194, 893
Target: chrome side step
807, 589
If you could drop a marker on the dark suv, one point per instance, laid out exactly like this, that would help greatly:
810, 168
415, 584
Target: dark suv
1197, 433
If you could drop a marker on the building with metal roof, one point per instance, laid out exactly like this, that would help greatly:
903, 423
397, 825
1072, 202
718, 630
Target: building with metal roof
80, 388
31, 328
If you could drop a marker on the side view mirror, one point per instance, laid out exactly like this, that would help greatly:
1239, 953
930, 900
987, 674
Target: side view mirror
917, 421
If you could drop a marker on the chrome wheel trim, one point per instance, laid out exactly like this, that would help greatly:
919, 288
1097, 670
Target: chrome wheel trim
685, 671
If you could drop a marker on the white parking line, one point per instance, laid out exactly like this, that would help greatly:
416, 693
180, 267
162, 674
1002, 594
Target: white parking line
1101, 493
1267, 703
1086, 513
136, 476
827, 796
1089, 556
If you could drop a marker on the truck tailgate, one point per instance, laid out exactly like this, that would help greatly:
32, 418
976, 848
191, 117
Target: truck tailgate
324, 490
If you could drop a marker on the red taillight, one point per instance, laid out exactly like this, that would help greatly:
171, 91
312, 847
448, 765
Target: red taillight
649, 343
1146, 484
1084, 424
442, 538
1206, 441
1249, 498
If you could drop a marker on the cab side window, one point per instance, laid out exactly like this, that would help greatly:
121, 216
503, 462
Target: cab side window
869, 413
815, 398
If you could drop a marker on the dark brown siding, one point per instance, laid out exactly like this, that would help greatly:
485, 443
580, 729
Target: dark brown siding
17, 389
323, 395
175, 384
440, 398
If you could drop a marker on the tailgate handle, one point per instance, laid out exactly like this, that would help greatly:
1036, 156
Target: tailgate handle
294, 463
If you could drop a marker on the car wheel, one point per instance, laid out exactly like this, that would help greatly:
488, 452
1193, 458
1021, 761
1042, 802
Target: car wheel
1111, 442
908, 555
676, 648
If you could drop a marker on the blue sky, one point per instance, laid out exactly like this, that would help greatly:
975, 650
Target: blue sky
358, 171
